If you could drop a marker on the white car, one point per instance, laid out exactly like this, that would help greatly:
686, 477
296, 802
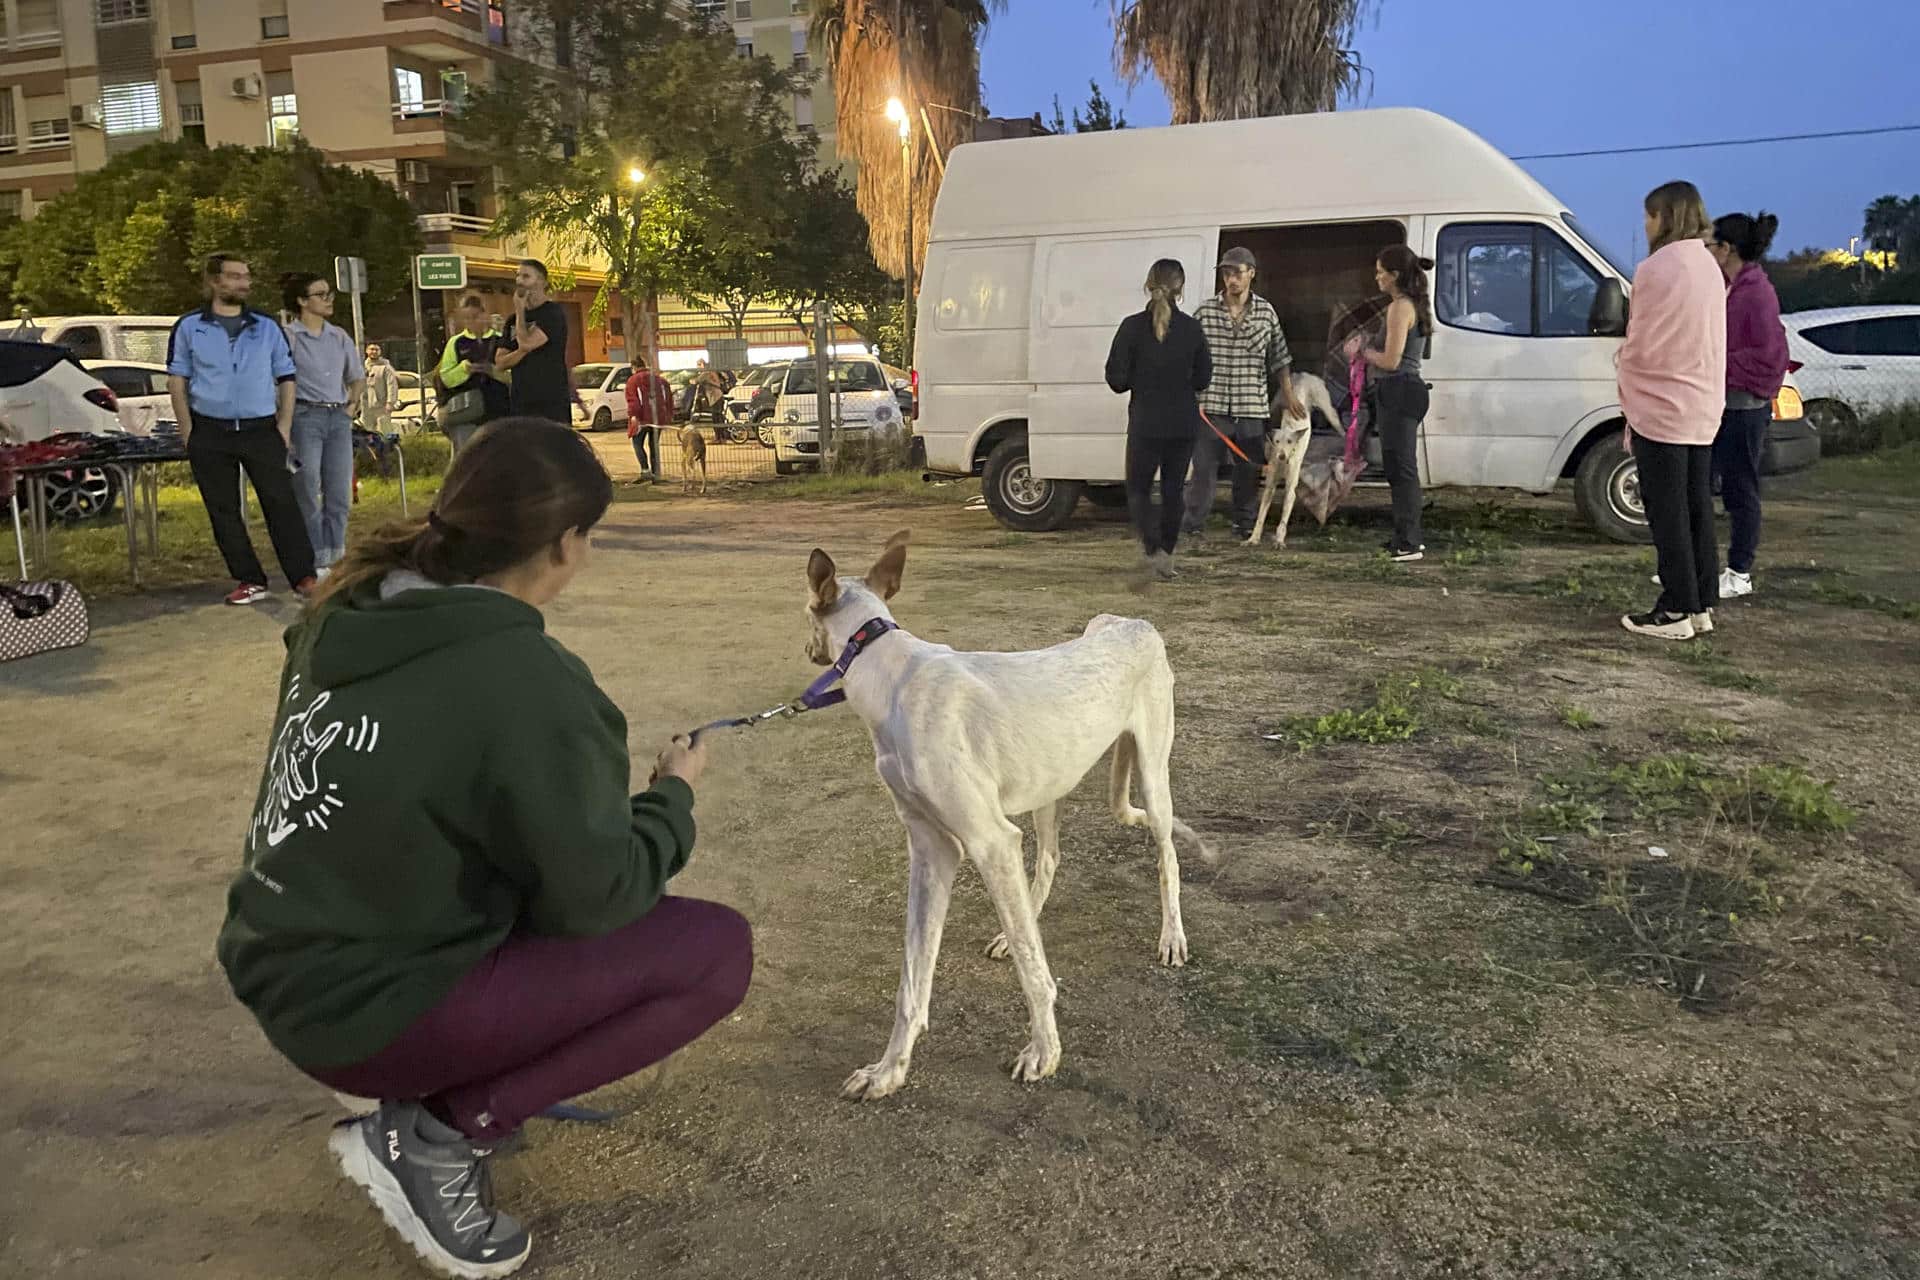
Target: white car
864, 399
44, 392
137, 339
140, 390
603, 393
1853, 361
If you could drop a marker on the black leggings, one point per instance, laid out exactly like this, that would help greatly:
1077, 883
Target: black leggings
1401, 404
1676, 484
1170, 457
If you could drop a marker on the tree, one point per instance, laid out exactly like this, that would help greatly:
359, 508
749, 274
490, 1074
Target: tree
1100, 116
650, 93
822, 256
130, 237
1892, 225
1235, 59
926, 53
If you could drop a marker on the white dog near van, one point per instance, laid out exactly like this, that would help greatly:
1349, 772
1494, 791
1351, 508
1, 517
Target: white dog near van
966, 742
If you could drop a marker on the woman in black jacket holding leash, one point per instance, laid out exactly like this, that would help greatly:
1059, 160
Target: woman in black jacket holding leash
1161, 357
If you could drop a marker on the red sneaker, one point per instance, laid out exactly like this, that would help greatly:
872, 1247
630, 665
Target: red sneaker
247, 593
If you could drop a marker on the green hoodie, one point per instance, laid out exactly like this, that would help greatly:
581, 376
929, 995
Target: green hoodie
441, 774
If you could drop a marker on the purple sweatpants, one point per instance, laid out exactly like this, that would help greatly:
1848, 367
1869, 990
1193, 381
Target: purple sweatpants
541, 1020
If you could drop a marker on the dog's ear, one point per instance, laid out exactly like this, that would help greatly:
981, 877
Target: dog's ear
820, 580
884, 577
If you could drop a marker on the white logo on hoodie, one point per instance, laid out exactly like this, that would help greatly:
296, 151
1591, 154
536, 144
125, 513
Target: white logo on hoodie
297, 793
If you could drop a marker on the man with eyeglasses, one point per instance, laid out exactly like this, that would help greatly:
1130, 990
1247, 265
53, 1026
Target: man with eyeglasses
329, 383
1250, 362
230, 375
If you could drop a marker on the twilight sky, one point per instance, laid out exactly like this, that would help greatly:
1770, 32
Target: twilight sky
1565, 75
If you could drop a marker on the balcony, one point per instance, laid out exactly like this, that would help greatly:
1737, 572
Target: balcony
426, 109
14, 42
49, 141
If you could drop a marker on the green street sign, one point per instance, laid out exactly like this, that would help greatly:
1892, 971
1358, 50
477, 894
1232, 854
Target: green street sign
441, 270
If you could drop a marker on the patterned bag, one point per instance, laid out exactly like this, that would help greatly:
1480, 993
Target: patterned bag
39, 617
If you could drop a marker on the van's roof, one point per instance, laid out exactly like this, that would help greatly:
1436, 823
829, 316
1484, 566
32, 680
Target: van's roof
1339, 164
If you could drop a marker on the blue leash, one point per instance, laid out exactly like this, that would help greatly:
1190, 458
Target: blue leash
821, 693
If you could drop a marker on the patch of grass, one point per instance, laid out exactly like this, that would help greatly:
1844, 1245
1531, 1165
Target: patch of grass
1394, 716
1576, 814
1711, 733
1614, 586
1273, 624
1012, 540
1577, 717
1848, 598
1783, 796
1716, 669
94, 555
1891, 471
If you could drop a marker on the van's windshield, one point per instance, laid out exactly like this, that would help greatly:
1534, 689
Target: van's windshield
1594, 243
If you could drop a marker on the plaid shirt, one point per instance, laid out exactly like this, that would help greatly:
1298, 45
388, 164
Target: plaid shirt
1247, 357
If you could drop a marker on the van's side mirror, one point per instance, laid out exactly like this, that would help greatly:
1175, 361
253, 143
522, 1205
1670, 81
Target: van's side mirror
1608, 318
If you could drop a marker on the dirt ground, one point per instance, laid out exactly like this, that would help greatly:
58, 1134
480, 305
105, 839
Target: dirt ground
1446, 1015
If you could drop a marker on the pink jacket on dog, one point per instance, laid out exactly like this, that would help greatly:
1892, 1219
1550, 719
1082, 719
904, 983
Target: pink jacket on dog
1673, 364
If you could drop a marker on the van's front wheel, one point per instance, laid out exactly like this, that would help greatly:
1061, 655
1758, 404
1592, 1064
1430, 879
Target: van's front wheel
1606, 492
1021, 500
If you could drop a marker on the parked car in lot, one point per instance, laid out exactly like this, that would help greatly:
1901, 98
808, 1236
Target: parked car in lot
142, 339
44, 391
139, 388
864, 400
1854, 361
751, 401
603, 396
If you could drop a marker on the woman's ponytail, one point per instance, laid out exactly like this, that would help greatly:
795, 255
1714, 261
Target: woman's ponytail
1165, 283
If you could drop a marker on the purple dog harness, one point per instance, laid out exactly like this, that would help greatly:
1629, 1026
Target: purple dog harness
821, 693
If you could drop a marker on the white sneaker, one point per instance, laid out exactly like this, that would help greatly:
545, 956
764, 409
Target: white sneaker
1660, 626
1734, 585
1702, 623
1656, 581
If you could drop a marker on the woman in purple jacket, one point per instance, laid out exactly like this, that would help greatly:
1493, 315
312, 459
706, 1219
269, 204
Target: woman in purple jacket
1756, 367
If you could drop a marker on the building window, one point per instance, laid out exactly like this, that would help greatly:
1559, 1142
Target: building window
800, 8
283, 119
743, 8
803, 110
463, 198
743, 48
12, 204
569, 142
274, 27
409, 91
130, 108
709, 10
562, 42
453, 91
108, 12
496, 22
9, 130
186, 42
49, 135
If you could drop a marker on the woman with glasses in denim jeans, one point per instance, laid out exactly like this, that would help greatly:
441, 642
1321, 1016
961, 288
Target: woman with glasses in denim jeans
329, 381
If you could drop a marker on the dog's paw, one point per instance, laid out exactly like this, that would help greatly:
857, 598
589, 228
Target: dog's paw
1173, 947
873, 1082
1036, 1062
997, 949
1279, 537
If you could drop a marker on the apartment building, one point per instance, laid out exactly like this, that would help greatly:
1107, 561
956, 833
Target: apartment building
782, 30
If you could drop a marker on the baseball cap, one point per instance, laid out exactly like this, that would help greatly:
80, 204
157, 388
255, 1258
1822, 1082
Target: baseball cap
1239, 257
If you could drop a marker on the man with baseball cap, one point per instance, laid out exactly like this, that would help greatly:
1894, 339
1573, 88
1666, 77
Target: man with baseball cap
1250, 359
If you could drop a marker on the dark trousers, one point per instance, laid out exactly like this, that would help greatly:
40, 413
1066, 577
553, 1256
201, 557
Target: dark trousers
1676, 486
1208, 453
1736, 465
1400, 406
217, 453
1169, 457
544, 1019
642, 445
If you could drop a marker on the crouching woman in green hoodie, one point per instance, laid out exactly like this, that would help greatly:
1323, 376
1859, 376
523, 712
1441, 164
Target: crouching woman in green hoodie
450, 901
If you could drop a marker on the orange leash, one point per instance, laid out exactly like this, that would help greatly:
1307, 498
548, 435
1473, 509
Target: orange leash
1223, 437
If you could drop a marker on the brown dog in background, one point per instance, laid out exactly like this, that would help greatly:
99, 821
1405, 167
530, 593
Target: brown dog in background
693, 453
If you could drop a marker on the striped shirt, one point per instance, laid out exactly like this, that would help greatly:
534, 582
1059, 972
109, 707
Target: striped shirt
1247, 357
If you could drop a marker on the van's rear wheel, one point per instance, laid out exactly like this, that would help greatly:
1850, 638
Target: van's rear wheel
1019, 499
1606, 492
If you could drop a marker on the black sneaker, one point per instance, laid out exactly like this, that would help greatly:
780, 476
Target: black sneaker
1660, 626
432, 1186
1407, 555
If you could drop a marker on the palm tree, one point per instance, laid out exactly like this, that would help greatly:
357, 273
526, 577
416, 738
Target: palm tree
1893, 226
1232, 59
926, 53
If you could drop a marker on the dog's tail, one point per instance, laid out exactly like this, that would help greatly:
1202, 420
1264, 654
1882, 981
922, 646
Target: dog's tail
1187, 842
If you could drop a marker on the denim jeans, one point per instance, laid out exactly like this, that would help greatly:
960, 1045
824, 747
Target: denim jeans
323, 442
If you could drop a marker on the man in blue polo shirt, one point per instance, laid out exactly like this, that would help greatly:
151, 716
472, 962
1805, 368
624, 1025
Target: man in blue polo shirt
231, 377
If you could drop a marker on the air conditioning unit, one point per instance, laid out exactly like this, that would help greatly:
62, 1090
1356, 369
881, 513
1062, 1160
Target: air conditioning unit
246, 86
85, 115
415, 171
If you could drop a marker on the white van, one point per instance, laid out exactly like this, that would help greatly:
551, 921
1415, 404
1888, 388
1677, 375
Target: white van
138, 338
1039, 248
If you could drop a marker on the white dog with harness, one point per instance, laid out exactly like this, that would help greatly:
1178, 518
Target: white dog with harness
967, 741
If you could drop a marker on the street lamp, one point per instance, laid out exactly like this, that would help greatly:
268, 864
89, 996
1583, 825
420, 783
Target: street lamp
636, 175
897, 112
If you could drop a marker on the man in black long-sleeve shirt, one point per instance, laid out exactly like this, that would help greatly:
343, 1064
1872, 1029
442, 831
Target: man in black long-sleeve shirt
1160, 356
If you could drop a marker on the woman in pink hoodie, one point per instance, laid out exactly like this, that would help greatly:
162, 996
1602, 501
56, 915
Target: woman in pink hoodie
1673, 371
1756, 368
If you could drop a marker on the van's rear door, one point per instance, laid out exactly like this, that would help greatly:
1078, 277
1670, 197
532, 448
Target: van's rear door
1085, 286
